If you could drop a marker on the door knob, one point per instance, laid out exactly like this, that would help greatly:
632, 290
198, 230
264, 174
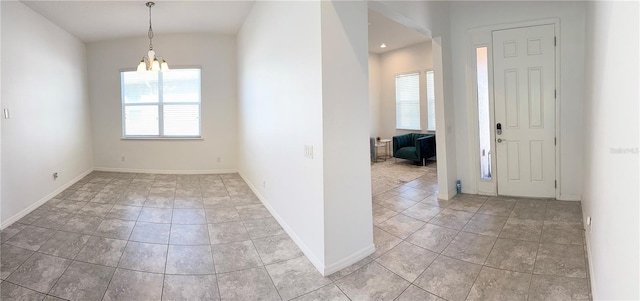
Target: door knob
500, 140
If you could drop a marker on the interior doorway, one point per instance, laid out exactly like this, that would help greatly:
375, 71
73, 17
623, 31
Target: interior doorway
432, 106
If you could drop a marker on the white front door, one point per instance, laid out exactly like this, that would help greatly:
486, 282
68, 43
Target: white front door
524, 87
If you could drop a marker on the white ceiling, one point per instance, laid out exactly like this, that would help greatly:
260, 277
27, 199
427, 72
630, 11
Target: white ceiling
92, 21
394, 35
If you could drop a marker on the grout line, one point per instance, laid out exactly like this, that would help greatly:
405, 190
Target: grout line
166, 261
474, 281
535, 261
339, 288
108, 284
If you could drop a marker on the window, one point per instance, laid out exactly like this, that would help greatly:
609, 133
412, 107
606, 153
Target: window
161, 104
431, 101
484, 123
408, 101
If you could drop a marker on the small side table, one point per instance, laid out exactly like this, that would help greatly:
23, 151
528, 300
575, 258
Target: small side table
379, 145
387, 147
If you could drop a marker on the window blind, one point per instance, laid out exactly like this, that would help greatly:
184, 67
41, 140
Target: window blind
408, 101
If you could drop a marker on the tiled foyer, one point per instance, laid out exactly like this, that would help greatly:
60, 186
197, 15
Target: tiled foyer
120, 236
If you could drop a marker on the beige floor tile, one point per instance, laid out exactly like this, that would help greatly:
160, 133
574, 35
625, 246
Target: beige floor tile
513, 255
449, 278
401, 225
494, 284
522, 229
407, 260
433, 237
560, 260
372, 282
470, 247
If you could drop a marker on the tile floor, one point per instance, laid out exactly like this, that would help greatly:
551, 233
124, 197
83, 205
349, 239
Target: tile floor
116, 236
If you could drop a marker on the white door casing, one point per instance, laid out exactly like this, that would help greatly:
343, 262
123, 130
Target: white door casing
524, 91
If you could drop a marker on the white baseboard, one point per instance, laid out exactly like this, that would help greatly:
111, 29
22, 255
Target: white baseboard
569, 197
486, 193
446, 196
161, 171
592, 279
46, 198
325, 270
319, 264
349, 260
562, 197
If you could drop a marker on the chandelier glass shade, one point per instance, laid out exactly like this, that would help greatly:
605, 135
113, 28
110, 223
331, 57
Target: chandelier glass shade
151, 61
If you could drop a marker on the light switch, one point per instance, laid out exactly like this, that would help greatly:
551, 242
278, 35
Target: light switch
5, 113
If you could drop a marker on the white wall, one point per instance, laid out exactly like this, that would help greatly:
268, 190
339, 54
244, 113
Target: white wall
428, 17
46, 94
346, 170
470, 15
374, 95
611, 163
414, 58
216, 55
303, 80
1, 219
280, 111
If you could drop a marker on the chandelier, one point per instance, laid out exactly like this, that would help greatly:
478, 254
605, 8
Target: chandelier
152, 62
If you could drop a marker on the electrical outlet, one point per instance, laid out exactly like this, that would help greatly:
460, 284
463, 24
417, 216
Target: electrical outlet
218, 159
308, 151
264, 184
122, 159
55, 176
589, 222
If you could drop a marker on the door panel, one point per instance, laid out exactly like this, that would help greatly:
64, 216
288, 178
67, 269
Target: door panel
524, 89
537, 160
536, 105
511, 98
513, 160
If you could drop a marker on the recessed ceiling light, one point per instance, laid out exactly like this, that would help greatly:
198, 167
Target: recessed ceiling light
383, 45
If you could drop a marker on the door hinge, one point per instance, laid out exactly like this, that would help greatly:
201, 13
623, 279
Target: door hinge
555, 41
555, 93
555, 183
555, 141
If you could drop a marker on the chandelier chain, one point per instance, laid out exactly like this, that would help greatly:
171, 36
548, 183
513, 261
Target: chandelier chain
150, 33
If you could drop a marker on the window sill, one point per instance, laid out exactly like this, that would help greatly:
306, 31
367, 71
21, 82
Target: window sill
161, 138
402, 129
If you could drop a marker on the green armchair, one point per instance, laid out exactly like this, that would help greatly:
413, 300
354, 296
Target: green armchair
416, 147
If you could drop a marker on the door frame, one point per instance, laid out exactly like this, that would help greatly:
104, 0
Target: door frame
482, 37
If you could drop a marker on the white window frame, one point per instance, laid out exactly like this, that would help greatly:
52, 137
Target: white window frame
160, 105
428, 109
419, 126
